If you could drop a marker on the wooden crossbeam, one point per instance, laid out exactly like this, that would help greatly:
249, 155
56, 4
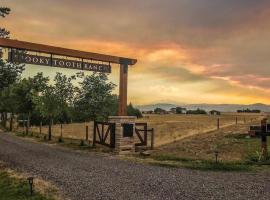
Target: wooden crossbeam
29, 46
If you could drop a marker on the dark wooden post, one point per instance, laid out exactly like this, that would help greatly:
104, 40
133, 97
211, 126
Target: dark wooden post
11, 122
145, 134
94, 135
28, 124
218, 123
264, 136
86, 133
61, 130
50, 128
102, 134
122, 109
152, 139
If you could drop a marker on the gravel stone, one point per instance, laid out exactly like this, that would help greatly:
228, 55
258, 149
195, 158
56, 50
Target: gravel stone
85, 176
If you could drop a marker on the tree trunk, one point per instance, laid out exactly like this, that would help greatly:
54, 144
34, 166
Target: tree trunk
4, 120
50, 129
11, 122
28, 124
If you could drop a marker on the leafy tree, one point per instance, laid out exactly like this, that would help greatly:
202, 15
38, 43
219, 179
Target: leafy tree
9, 73
179, 110
24, 91
7, 104
159, 111
65, 91
48, 104
3, 12
197, 112
131, 111
94, 100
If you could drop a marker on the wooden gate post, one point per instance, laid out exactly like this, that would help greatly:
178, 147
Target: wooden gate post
86, 133
145, 134
122, 109
218, 123
94, 134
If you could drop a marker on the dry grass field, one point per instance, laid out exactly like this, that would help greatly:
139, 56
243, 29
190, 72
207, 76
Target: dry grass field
168, 128
171, 128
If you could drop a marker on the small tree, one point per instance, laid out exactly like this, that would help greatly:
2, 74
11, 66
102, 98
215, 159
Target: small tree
179, 110
159, 111
9, 73
24, 92
3, 12
131, 111
65, 91
48, 104
94, 100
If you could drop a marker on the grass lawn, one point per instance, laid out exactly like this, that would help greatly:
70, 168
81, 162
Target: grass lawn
15, 189
236, 152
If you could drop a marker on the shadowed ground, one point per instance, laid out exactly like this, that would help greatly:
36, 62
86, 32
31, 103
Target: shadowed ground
90, 176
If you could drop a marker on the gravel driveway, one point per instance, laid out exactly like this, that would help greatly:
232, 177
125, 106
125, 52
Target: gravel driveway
82, 175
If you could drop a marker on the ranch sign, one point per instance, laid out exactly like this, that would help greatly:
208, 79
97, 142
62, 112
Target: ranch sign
19, 57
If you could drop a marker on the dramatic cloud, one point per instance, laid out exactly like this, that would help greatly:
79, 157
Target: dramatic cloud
213, 50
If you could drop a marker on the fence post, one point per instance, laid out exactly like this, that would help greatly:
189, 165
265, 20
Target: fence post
86, 133
94, 135
218, 123
24, 131
145, 134
152, 139
61, 130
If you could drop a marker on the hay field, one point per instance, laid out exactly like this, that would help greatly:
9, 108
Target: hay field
168, 128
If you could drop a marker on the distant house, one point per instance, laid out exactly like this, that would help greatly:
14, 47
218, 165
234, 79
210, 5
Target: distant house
178, 110
172, 111
148, 112
160, 111
214, 112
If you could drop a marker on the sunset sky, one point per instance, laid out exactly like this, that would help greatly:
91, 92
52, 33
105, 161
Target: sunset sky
188, 51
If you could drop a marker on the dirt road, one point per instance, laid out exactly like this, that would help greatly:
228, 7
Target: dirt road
90, 176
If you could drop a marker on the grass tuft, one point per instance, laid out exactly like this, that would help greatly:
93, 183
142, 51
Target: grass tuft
14, 189
174, 161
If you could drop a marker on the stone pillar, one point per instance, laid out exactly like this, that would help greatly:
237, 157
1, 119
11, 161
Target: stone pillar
123, 144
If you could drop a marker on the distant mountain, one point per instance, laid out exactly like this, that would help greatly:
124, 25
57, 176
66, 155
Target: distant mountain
207, 107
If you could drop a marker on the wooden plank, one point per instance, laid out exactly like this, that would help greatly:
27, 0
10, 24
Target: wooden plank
98, 131
107, 133
138, 134
29, 46
94, 134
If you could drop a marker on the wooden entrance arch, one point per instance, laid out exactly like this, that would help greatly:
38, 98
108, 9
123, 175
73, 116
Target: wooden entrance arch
59, 51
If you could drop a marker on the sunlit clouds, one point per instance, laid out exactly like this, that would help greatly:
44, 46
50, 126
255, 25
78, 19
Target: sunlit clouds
188, 51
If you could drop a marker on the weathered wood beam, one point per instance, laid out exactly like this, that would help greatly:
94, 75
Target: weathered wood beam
16, 44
